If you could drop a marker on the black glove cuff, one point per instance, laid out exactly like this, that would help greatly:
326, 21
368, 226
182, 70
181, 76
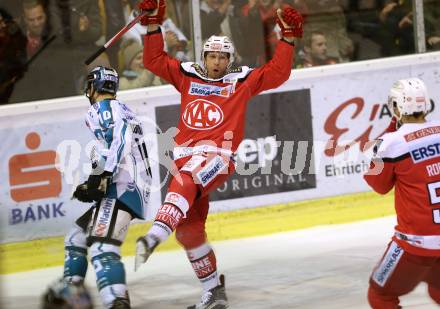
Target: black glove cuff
94, 181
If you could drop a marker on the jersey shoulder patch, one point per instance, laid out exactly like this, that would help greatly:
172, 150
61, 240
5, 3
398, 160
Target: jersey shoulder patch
391, 146
237, 74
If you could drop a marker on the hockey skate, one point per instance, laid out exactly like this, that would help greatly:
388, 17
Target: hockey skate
214, 298
144, 250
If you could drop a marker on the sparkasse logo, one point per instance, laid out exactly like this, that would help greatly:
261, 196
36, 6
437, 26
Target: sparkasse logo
34, 176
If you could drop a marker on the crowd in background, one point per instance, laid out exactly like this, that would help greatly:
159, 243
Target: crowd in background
43, 43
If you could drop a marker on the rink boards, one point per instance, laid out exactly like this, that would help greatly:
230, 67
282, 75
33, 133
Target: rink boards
324, 115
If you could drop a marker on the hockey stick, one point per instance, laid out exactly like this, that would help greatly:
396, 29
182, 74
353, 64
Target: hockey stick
116, 37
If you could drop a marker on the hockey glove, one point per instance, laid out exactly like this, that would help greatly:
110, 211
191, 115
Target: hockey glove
144, 248
291, 23
81, 193
97, 185
156, 12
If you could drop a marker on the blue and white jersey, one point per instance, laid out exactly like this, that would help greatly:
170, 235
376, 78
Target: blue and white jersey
122, 151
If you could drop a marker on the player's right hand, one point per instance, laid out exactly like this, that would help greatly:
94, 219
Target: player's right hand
291, 22
148, 5
155, 12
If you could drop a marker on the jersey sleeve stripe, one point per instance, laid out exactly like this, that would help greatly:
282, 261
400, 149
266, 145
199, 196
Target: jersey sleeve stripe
396, 159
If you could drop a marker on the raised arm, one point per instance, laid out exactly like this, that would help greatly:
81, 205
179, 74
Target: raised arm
155, 58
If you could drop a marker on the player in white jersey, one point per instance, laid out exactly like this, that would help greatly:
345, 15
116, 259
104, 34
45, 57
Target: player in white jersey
408, 160
119, 185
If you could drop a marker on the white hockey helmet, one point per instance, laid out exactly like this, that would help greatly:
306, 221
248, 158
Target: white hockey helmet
219, 44
409, 96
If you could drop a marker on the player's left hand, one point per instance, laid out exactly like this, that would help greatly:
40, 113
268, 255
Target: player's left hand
291, 23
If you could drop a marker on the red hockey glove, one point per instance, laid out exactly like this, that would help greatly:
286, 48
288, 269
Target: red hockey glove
156, 7
291, 23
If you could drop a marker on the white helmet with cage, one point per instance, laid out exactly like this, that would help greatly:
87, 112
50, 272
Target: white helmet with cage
409, 96
219, 44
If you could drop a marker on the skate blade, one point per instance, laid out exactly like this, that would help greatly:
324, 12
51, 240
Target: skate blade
216, 305
139, 258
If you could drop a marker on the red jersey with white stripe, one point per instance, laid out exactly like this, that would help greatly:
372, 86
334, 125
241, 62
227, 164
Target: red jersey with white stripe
411, 164
212, 111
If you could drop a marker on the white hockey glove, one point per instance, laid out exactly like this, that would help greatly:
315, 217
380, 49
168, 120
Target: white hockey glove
144, 248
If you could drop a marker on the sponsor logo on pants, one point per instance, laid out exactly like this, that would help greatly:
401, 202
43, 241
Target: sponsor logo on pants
104, 217
212, 169
388, 264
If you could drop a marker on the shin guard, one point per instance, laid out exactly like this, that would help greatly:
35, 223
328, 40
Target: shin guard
75, 258
110, 273
204, 263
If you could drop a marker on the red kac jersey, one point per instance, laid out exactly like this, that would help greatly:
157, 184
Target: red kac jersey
212, 112
411, 164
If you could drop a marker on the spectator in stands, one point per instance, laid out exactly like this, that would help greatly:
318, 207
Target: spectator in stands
49, 75
78, 21
175, 41
12, 55
134, 74
212, 14
432, 23
327, 16
315, 51
35, 25
434, 42
232, 27
363, 27
397, 35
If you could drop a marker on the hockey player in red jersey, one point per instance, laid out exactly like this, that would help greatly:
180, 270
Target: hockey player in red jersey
408, 160
214, 97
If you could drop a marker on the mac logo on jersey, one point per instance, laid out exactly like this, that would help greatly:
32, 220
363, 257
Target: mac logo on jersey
202, 115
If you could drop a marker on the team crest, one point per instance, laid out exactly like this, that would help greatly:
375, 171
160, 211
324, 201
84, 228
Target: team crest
202, 115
